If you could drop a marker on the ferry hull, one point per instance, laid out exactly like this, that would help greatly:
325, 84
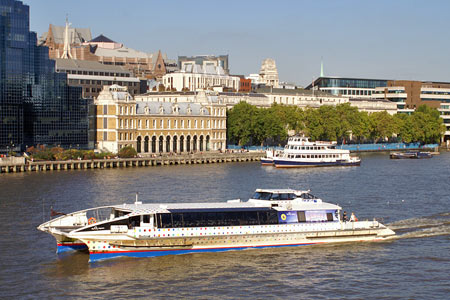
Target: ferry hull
300, 164
266, 162
204, 245
63, 247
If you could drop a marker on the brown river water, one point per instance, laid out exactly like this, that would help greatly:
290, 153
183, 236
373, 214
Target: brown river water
411, 196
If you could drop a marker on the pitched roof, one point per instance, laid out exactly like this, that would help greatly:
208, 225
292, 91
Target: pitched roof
75, 64
76, 35
101, 39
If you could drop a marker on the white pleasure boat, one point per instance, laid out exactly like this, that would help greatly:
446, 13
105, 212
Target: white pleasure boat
271, 218
300, 152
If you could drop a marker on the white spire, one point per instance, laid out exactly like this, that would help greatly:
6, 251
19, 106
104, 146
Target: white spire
66, 53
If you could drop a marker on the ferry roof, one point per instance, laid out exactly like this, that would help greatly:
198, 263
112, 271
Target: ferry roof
151, 208
198, 206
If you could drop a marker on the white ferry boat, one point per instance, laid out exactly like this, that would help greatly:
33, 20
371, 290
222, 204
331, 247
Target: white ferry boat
271, 218
270, 155
300, 152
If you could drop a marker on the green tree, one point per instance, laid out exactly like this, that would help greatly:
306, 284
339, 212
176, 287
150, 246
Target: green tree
241, 123
127, 152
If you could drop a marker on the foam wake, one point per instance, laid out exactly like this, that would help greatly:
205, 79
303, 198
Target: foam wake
422, 227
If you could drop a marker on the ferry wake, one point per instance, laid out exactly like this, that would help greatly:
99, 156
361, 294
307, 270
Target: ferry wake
270, 218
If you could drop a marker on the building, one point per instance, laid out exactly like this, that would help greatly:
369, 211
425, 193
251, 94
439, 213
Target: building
268, 74
77, 43
92, 76
300, 97
155, 127
36, 104
204, 61
361, 88
409, 94
245, 85
197, 77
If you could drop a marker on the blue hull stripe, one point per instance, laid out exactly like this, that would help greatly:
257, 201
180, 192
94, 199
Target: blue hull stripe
153, 253
286, 163
68, 247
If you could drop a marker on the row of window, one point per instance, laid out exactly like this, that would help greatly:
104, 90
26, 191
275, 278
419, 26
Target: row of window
313, 156
129, 136
309, 147
94, 73
170, 124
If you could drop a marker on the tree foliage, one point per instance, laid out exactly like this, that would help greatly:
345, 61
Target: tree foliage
248, 124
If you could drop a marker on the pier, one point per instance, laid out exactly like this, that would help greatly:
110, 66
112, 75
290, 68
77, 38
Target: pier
187, 159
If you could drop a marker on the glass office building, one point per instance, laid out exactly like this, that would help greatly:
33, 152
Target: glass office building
350, 87
36, 104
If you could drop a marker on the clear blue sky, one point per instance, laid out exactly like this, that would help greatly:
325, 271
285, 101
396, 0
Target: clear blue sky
403, 39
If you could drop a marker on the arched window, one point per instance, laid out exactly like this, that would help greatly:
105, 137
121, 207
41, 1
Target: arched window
138, 144
188, 143
194, 143
154, 144
174, 144
161, 143
207, 143
168, 143
201, 143
146, 144
182, 143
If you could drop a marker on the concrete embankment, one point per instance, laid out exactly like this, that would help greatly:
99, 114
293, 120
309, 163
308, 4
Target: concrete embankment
205, 158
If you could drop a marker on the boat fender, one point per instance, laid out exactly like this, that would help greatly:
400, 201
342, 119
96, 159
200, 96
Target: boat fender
92, 220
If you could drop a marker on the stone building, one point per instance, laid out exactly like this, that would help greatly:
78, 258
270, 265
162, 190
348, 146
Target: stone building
154, 127
268, 74
197, 77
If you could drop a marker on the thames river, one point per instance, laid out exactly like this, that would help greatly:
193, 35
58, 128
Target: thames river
410, 196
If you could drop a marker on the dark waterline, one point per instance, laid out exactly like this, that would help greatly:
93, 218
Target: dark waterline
412, 196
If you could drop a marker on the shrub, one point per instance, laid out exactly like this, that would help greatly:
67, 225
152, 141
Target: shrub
127, 152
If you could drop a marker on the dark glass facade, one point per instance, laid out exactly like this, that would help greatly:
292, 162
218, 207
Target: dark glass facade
36, 104
350, 82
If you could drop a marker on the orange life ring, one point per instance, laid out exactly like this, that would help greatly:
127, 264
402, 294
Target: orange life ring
92, 220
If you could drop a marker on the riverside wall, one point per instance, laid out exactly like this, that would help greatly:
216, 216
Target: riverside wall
204, 158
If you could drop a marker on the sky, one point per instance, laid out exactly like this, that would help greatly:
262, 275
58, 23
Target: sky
395, 39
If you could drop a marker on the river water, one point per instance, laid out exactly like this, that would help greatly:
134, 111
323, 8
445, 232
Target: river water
411, 196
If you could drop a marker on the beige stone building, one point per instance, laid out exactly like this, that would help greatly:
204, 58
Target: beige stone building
154, 127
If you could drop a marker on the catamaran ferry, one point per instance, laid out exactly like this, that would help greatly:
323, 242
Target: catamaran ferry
300, 152
271, 218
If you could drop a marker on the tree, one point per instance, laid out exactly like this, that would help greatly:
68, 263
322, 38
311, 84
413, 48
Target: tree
241, 123
127, 152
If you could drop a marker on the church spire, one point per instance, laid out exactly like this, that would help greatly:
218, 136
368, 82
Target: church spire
66, 52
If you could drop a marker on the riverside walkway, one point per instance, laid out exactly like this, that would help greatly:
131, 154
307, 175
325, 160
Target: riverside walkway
186, 159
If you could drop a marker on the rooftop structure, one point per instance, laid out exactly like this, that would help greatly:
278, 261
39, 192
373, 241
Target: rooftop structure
268, 74
92, 76
205, 60
78, 44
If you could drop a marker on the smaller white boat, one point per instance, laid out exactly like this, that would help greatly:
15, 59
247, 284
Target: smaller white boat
300, 152
270, 155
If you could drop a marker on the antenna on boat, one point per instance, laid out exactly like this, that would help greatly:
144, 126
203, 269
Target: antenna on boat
137, 199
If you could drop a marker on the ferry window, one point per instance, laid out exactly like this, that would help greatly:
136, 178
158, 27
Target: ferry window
301, 216
256, 195
329, 216
298, 156
303, 148
275, 196
165, 221
265, 196
177, 220
284, 196
146, 219
292, 196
